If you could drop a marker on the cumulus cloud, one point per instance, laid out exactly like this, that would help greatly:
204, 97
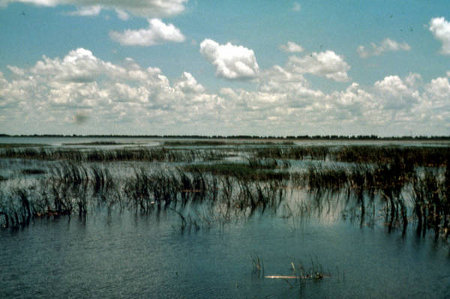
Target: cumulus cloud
394, 104
121, 14
157, 33
231, 61
441, 31
279, 79
188, 84
439, 89
78, 66
397, 93
49, 94
291, 47
81, 93
87, 11
385, 46
325, 64
143, 8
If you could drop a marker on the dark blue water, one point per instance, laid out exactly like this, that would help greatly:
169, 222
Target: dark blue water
124, 255
127, 255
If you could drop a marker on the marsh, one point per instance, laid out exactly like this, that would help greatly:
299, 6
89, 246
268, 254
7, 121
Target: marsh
150, 218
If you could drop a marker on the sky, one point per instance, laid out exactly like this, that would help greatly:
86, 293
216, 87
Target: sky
311, 67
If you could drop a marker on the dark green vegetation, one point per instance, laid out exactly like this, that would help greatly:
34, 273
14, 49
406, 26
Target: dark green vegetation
407, 185
97, 143
225, 143
195, 143
294, 152
254, 170
20, 145
32, 171
299, 137
413, 155
391, 185
97, 155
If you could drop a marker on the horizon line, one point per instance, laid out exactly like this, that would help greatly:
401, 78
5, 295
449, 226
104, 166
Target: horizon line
243, 136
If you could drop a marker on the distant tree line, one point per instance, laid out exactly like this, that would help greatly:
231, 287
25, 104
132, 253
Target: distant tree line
290, 137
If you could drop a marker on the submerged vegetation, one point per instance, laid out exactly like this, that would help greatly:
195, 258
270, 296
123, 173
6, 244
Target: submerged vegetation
123, 154
20, 145
412, 155
254, 170
97, 143
225, 143
299, 274
407, 185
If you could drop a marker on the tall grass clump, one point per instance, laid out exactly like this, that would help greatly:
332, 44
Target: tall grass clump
243, 171
431, 202
395, 184
258, 266
410, 184
413, 155
293, 152
114, 155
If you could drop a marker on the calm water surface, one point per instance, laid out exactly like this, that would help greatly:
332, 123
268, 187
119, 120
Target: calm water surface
127, 255
130, 255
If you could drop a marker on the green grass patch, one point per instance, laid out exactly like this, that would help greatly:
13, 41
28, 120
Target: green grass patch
223, 143
98, 143
238, 170
18, 145
31, 171
196, 143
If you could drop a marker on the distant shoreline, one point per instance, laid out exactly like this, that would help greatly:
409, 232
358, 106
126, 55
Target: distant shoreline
300, 137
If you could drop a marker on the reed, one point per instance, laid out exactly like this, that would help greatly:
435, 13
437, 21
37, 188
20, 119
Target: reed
431, 204
408, 191
21, 145
98, 143
293, 152
413, 156
225, 143
257, 266
242, 171
32, 171
114, 155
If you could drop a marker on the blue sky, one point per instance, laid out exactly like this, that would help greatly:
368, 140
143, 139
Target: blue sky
225, 67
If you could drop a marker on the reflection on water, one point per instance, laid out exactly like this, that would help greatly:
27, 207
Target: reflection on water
167, 228
132, 255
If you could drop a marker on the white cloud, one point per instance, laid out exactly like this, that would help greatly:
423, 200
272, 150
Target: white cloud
121, 14
188, 84
433, 108
326, 64
439, 88
81, 93
231, 62
291, 47
296, 6
157, 33
278, 79
441, 31
143, 8
396, 93
385, 46
87, 11
50, 96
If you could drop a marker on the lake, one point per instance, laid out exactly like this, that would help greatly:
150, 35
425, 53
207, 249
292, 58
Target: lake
149, 219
